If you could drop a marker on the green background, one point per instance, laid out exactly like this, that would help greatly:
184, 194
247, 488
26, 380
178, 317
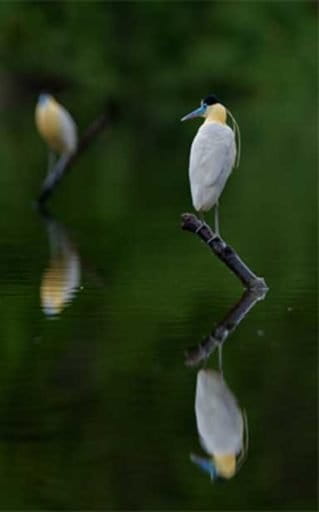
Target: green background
96, 406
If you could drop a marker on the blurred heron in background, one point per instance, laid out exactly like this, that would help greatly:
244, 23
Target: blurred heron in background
58, 129
212, 156
221, 426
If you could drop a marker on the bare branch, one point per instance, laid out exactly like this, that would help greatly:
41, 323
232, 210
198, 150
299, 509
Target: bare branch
223, 251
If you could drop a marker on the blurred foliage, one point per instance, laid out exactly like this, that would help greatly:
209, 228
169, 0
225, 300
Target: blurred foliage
96, 406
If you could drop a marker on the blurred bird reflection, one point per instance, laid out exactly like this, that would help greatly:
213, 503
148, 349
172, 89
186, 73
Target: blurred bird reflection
62, 277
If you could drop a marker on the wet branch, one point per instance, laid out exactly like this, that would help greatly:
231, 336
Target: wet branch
223, 251
218, 336
51, 181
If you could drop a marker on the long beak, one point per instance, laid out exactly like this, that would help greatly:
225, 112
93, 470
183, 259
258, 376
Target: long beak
206, 465
198, 112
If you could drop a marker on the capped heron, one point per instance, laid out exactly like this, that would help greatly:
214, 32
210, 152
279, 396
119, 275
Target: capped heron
212, 155
58, 129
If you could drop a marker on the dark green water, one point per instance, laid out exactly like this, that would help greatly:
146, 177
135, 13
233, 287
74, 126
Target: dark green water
96, 403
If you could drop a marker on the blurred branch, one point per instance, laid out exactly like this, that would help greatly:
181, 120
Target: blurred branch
218, 336
93, 130
223, 251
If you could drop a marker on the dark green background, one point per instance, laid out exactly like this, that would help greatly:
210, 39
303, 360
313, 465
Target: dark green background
96, 407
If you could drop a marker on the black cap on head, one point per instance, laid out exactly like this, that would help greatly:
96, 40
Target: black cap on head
211, 99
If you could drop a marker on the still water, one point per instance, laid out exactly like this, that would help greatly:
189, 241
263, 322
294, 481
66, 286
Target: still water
102, 295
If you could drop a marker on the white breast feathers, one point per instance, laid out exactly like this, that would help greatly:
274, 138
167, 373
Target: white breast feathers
212, 158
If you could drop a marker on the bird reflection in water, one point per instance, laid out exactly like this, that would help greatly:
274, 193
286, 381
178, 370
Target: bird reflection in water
62, 277
222, 425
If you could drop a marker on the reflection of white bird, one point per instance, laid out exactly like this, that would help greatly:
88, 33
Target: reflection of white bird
62, 277
212, 156
57, 128
220, 424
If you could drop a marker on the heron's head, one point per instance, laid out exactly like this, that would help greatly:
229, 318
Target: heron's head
206, 464
218, 467
210, 108
44, 98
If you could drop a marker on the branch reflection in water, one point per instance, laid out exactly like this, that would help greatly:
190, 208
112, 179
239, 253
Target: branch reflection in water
62, 277
222, 426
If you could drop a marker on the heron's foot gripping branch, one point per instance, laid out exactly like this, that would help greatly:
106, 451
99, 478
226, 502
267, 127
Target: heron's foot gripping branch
223, 251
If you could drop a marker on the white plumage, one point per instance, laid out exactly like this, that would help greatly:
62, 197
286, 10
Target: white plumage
212, 158
219, 419
68, 130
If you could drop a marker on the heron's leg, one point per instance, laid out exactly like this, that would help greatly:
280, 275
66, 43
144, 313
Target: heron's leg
203, 222
216, 212
202, 217
51, 161
220, 358
56, 172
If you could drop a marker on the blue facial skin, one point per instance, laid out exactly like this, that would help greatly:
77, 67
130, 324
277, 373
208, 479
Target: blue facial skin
43, 98
206, 465
200, 111
208, 101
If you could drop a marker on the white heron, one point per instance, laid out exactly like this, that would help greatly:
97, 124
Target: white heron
221, 426
58, 129
212, 156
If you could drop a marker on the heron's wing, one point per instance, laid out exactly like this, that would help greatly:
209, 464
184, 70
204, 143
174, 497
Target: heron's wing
213, 154
68, 129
